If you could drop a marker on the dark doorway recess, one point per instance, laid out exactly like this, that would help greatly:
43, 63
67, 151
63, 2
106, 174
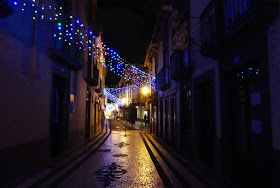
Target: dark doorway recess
247, 141
173, 118
186, 127
166, 123
161, 118
59, 115
88, 103
204, 106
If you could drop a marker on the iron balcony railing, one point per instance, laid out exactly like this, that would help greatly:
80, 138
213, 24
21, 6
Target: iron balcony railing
162, 82
180, 67
225, 20
246, 14
210, 32
71, 53
69, 56
5, 8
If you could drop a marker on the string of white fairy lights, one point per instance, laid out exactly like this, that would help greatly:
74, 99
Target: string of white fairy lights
116, 93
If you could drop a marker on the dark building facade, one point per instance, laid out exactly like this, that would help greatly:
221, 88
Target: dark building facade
224, 83
169, 61
47, 78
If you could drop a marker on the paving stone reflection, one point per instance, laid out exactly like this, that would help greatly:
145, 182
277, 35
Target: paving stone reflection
110, 173
134, 158
122, 144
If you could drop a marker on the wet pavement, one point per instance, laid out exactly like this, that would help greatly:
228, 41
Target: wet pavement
122, 161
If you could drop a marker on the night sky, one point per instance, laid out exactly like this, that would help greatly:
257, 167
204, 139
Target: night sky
128, 26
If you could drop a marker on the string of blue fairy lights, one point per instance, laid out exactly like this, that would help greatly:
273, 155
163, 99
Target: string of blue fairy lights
73, 32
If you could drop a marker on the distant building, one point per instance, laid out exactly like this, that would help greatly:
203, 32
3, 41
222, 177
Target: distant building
132, 107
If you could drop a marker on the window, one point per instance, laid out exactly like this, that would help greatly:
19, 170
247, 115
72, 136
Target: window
166, 65
5, 8
7, 2
208, 24
236, 8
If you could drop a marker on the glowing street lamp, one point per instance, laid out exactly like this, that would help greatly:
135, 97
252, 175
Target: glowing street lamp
145, 90
123, 101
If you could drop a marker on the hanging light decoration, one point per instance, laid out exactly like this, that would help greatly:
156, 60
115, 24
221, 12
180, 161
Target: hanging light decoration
73, 32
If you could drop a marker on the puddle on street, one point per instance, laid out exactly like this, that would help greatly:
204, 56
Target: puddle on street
122, 144
110, 173
120, 155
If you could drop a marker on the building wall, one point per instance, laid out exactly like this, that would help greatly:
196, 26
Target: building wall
273, 48
201, 63
160, 93
205, 147
78, 117
25, 81
26, 94
160, 56
273, 37
165, 96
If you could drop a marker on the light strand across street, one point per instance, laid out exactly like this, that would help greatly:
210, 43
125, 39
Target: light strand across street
73, 32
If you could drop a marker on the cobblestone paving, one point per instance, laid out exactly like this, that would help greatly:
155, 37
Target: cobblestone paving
123, 161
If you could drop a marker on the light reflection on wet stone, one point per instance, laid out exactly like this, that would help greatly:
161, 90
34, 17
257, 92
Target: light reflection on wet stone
141, 171
122, 144
110, 173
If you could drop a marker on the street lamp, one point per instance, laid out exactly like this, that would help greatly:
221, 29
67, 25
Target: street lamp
123, 101
145, 91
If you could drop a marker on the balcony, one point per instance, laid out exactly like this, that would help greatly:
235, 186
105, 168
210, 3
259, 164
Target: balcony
70, 57
162, 81
180, 67
248, 15
93, 76
5, 9
210, 30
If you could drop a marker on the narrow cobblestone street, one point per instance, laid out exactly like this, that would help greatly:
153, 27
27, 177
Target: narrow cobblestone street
151, 93
124, 151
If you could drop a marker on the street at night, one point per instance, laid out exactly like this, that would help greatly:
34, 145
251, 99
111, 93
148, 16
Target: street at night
150, 93
126, 150
129, 157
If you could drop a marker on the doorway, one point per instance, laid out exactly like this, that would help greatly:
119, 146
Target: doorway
59, 115
161, 118
248, 143
88, 104
166, 123
186, 127
95, 117
205, 121
173, 118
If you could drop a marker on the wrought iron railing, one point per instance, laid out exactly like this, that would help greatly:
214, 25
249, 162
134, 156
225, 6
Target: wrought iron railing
246, 13
208, 24
5, 8
180, 67
162, 82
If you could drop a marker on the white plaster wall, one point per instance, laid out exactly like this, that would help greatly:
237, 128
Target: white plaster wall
273, 38
24, 100
79, 116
